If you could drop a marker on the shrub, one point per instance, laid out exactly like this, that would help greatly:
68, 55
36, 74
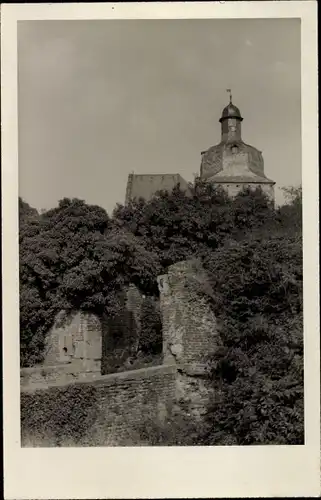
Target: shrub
59, 414
258, 373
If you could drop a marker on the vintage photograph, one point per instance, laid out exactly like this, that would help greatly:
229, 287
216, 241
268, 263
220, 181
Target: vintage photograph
160, 232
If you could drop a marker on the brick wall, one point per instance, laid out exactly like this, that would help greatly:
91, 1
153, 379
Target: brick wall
189, 326
43, 376
66, 404
107, 412
189, 333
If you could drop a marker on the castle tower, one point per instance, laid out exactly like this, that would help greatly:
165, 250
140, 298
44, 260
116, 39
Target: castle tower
231, 123
232, 163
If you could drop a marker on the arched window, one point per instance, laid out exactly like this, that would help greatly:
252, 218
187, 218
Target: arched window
234, 149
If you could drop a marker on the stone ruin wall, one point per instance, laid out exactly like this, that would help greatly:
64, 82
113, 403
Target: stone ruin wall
118, 408
189, 335
189, 332
79, 346
189, 325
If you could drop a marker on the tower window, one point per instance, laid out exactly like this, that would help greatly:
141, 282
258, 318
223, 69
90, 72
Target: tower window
234, 149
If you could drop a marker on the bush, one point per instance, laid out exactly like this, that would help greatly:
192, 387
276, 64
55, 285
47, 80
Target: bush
76, 261
258, 373
75, 256
64, 414
151, 339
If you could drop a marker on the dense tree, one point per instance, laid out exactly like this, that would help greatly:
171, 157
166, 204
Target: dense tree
29, 220
290, 213
179, 224
75, 260
26, 211
259, 370
253, 253
75, 256
151, 340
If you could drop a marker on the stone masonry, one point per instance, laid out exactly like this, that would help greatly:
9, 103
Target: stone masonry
189, 336
75, 339
189, 332
189, 325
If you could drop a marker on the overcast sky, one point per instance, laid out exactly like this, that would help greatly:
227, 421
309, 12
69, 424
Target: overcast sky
99, 99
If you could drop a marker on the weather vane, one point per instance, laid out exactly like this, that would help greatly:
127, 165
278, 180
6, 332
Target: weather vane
230, 92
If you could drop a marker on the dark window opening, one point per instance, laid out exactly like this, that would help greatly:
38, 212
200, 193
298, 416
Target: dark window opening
65, 350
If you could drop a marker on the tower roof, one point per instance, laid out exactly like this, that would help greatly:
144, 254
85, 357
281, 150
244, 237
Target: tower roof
231, 111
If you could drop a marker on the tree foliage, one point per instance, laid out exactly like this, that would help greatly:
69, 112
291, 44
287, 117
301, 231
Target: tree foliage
77, 257
258, 372
75, 260
178, 225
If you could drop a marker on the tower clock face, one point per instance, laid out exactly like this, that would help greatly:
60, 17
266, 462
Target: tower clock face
232, 128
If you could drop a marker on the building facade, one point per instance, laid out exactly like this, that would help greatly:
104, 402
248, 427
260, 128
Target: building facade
232, 163
146, 186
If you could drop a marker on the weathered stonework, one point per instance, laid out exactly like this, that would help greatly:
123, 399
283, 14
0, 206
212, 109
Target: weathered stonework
74, 339
146, 186
119, 404
117, 408
189, 325
233, 188
232, 164
42, 377
79, 346
189, 332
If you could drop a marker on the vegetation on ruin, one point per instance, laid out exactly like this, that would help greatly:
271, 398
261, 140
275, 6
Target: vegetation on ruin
76, 256
259, 370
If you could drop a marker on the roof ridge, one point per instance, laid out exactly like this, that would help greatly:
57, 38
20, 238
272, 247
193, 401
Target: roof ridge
149, 175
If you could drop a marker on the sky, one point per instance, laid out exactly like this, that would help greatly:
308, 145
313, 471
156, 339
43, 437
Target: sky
98, 100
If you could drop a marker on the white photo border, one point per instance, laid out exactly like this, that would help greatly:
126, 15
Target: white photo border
160, 472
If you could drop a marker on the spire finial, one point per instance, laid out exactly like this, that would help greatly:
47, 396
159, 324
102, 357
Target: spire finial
230, 92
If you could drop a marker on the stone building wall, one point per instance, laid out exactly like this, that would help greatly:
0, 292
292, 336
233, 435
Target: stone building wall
74, 339
234, 188
235, 164
190, 333
79, 406
42, 377
189, 325
111, 411
82, 345
147, 185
